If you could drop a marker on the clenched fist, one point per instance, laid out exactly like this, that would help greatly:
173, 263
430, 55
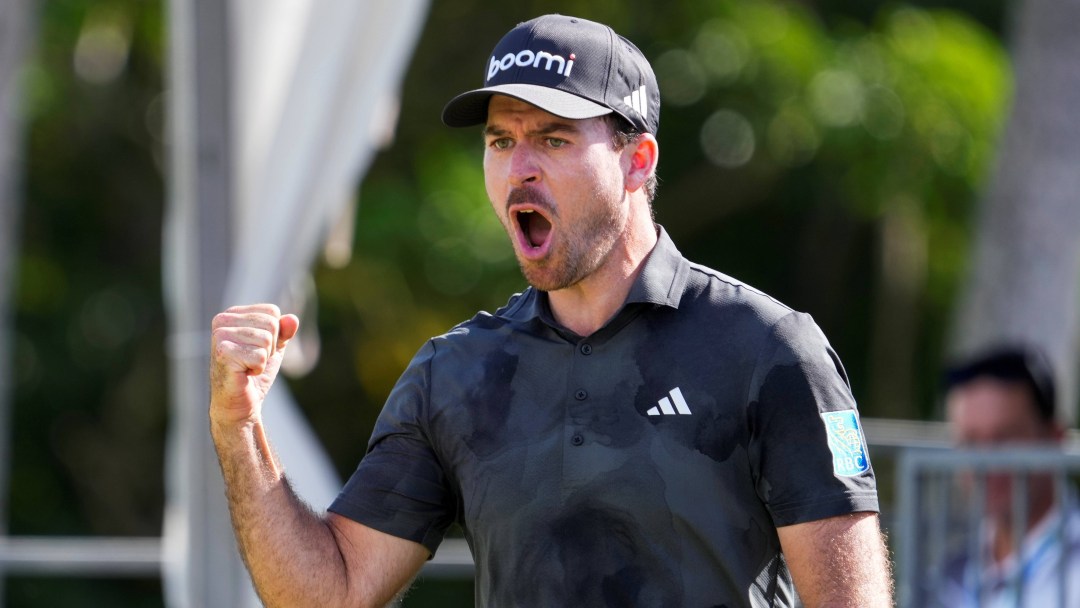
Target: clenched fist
247, 344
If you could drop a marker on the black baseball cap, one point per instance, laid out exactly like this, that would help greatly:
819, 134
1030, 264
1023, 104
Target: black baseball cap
568, 66
1012, 363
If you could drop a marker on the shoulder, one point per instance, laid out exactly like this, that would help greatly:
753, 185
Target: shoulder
485, 327
745, 312
722, 292
775, 335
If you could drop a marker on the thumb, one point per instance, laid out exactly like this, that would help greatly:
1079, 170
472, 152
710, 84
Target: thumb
288, 325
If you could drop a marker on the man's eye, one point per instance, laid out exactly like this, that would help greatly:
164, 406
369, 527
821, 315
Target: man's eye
501, 143
555, 142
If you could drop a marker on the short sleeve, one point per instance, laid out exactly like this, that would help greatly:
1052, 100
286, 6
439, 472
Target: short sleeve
400, 487
807, 448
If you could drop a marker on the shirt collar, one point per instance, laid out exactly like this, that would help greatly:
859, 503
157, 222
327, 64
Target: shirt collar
663, 276
661, 282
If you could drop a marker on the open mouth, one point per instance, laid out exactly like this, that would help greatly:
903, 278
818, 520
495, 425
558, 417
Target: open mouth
535, 228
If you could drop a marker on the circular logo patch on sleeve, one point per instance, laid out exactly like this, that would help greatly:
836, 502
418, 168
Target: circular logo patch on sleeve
846, 442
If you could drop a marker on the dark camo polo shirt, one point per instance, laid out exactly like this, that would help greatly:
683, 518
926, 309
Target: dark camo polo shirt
645, 465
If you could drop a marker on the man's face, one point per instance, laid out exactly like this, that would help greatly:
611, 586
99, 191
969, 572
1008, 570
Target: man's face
990, 412
558, 187
987, 413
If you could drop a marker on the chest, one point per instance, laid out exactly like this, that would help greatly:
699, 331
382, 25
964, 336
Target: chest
638, 422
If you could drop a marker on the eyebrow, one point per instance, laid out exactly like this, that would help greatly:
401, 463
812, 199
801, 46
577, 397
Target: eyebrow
545, 129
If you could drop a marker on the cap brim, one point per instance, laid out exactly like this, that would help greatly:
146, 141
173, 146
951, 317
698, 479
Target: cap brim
470, 108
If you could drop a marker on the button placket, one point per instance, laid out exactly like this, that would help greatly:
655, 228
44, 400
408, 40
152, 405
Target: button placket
576, 431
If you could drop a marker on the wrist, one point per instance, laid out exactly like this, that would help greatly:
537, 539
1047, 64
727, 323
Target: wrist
228, 416
238, 441
225, 428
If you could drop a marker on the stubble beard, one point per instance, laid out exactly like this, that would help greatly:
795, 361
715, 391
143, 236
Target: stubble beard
580, 250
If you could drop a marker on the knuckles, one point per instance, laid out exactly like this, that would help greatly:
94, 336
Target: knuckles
245, 334
248, 344
230, 326
267, 309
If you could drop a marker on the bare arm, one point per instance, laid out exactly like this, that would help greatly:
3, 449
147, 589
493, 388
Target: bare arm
296, 557
839, 562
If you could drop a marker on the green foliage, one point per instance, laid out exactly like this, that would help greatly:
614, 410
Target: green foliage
89, 379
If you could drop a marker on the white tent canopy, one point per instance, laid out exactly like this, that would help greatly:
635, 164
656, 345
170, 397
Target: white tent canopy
277, 108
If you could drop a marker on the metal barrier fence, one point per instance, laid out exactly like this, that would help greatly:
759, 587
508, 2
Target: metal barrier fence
944, 501
142, 556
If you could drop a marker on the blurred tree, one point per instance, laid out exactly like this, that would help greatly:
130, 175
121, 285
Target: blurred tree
991, 15
16, 18
88, 381
1025, 264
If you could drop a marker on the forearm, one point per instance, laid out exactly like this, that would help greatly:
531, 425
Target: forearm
296, 557
840, 562
289, 550
858, 572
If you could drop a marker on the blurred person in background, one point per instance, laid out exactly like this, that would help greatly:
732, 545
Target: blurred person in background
1005, 398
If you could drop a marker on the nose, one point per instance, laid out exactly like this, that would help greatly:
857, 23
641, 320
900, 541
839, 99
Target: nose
523, 166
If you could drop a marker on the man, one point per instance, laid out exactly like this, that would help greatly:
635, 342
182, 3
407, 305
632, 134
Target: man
1004, 397
632, 430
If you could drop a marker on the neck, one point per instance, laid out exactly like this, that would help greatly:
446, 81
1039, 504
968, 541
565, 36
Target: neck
1001, 536
590, 303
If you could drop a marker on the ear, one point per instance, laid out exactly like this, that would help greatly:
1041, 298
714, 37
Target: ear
643, 154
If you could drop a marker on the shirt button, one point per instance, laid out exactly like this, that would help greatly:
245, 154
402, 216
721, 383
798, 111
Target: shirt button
577, 440
586, 349
581, 395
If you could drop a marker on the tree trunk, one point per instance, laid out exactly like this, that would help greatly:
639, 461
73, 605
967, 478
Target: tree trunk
1023, 281
902, 251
